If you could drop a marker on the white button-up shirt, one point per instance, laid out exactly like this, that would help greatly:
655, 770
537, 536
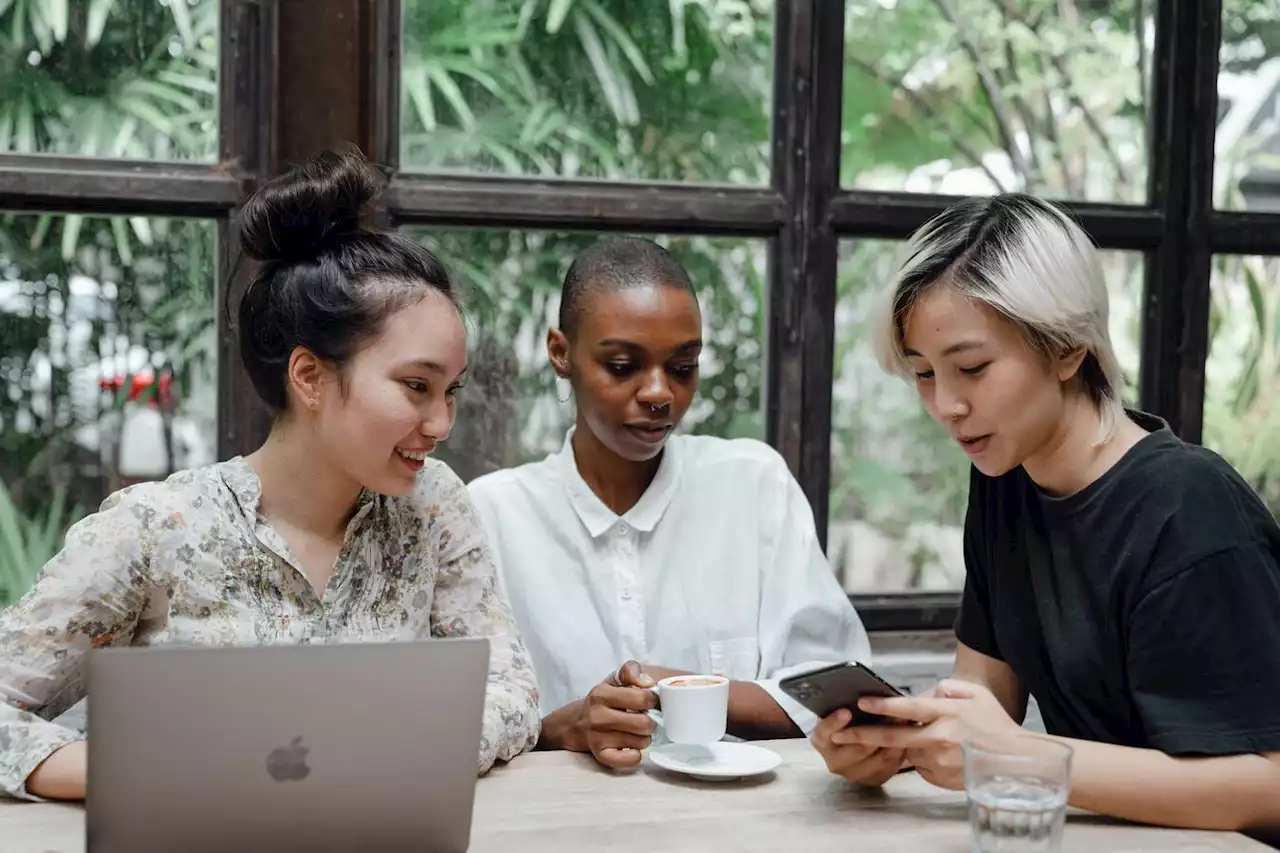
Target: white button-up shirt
717, 569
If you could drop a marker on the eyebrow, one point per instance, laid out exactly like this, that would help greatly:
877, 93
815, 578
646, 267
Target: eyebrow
436, 367
962, 346
618, 342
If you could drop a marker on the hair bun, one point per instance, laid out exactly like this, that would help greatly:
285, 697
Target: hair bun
295, 216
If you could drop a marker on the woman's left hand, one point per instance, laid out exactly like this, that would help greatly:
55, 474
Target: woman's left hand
957, 710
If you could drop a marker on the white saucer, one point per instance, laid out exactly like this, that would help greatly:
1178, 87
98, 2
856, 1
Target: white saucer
715, 762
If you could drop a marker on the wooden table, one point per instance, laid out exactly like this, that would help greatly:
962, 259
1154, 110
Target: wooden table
560, 803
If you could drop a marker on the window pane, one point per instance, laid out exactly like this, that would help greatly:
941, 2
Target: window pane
971, 97
1247, 165
511, 411
135, 79
107, 359
899, 484
1242, 376
589, 89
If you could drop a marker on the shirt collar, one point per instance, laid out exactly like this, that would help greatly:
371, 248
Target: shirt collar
644, 516
243, 483
245, 486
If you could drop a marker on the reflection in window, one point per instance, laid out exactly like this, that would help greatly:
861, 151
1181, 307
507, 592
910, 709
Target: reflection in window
899, 484
589, 88
1247, 144
1242, 375
130, 79
511, 410
970, 97
107, 369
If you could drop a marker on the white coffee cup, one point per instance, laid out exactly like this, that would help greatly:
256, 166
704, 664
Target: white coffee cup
695, 708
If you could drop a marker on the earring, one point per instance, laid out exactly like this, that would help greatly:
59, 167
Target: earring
568, 394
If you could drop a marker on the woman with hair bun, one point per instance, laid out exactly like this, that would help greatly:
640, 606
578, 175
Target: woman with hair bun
338, 529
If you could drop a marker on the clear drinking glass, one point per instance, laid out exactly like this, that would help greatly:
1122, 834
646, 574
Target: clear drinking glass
1017, 788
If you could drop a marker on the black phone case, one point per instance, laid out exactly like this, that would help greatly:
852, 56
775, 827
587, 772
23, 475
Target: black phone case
828, 690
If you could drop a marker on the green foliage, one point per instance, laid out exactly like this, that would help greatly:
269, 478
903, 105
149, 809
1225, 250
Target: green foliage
939, 95
133, 79
28, 542
645, 90
958, 80
629, 88
1242, 400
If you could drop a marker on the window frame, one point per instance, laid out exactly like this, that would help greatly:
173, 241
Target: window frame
277, 108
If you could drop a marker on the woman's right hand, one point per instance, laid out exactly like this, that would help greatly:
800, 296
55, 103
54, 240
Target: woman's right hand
63, 775
611, 722
864, 765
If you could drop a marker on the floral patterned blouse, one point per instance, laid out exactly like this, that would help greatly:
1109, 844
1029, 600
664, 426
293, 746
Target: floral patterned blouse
190, 561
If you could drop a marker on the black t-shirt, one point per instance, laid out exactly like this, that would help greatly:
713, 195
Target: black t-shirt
1143, 610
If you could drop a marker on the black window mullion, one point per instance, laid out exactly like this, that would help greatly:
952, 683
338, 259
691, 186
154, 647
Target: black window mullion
1244, 233
808, 50
246, 124
895, 215
41, 182
1175, 315
383, 40
280, 107
501, 202
386, 23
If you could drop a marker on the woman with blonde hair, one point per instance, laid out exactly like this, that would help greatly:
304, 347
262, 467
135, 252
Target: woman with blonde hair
1125, 578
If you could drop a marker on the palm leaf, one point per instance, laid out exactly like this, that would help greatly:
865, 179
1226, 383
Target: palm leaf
182, 20
492, 30
25, 132
620, 37
162, 92
124, 250
71, 225
146, 112
607, 77
186, 80
470, 69
557, 13
57, 15
43, 224
96, 23
444, 82
418, 90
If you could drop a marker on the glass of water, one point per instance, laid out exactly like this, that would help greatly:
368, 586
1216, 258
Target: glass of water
1017, 788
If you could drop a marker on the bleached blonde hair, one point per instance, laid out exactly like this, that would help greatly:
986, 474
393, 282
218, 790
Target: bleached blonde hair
1030, 262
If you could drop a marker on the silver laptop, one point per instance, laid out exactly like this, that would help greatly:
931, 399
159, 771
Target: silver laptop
285, 748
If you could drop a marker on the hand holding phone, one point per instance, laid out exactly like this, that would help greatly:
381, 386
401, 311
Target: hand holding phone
827, 690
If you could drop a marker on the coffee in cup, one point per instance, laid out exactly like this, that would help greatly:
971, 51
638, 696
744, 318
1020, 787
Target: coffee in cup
693, 681
695, 708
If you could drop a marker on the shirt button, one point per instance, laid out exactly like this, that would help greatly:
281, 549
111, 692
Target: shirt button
622, 530
626, 595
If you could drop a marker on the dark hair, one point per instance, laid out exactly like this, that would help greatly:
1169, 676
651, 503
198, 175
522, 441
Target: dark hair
327, 280
617, 263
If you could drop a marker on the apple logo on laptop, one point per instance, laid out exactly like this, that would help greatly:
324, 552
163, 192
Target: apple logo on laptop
289, 763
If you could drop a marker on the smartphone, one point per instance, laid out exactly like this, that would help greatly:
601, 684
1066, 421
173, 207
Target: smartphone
826, 691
